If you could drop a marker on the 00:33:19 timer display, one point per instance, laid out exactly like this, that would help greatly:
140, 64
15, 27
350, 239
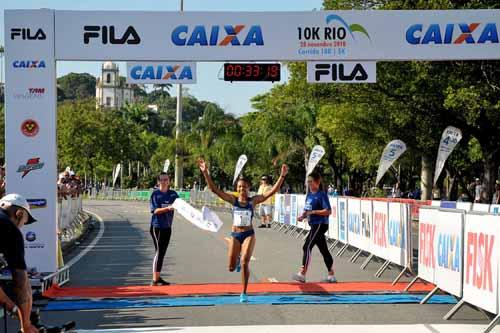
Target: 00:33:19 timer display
252, 72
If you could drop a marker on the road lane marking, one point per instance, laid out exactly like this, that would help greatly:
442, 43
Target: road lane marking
80, 255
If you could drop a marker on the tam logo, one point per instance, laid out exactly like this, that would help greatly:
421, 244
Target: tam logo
217, 35
161, 72
452, 34
29, 64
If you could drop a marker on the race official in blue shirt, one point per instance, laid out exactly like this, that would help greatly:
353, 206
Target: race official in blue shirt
161, 224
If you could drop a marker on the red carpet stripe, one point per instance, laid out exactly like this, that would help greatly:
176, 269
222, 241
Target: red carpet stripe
232, 288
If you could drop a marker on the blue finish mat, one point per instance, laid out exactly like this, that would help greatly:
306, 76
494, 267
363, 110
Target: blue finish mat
232, 300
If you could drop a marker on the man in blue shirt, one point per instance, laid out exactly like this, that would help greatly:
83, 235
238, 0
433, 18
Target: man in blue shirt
316, 210
161, 224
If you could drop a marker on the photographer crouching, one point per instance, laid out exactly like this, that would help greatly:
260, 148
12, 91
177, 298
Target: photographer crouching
14, 214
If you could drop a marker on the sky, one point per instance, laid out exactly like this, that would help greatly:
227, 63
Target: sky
233, 97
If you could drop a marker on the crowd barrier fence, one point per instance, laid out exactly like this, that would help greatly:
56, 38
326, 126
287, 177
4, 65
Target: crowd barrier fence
459, 253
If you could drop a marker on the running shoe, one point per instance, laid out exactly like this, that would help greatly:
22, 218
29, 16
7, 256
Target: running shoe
269, 226
243, 298
299, 277
238, 264
330, 279
262, 226
160, 282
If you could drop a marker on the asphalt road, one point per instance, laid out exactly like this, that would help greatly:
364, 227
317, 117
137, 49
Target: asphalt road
124, 254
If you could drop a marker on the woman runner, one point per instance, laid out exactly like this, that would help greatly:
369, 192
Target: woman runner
243, 235
316, 210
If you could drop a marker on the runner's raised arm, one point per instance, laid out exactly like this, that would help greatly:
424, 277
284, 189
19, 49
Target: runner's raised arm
211, 185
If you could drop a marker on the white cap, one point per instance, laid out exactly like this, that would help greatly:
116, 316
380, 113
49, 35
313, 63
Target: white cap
18, 200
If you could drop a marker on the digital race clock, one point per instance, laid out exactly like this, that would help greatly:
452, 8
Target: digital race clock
252, 72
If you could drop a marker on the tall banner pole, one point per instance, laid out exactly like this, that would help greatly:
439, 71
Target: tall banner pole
30, 127
391, 153
449, 140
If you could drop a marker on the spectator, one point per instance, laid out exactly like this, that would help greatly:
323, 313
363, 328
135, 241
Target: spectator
2, 181
463, 197
484, 198
478, 188
14, 214
396, 191
330, 190
496, 195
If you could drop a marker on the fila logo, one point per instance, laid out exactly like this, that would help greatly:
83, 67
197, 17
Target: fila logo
337, 72
108, 35
27, 34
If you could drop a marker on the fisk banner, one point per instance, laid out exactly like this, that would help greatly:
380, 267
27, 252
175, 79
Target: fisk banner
481, 255
161, 72
440, 250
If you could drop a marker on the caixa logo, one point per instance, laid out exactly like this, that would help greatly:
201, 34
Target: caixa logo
109, 35
218, 35
28, 64
474, 33
27, 34
338, 72
162, 72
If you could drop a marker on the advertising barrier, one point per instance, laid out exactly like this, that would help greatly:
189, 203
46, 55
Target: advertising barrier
366, 224
479, 207
495, 209
481, 257
398, 246
354, 223
379, 233
342, 218
440, 256
30, 130
333, 220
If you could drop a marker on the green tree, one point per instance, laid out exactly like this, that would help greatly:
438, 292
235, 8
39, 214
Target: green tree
77, 86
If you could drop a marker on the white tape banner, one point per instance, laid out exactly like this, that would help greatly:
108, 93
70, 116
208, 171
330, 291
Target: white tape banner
481, 255
341, 72
333, 220
161, 72
440, 248
342, 218
205, 219
354, 223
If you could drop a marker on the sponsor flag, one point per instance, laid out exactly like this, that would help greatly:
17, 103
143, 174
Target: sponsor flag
391, 153
117, 172
166, 165
449, 140
239, 166
205, 220
314, 158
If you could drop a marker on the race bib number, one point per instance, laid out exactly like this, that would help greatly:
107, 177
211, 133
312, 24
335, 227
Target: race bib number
242, 218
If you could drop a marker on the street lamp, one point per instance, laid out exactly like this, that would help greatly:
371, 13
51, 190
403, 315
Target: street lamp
179, 169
